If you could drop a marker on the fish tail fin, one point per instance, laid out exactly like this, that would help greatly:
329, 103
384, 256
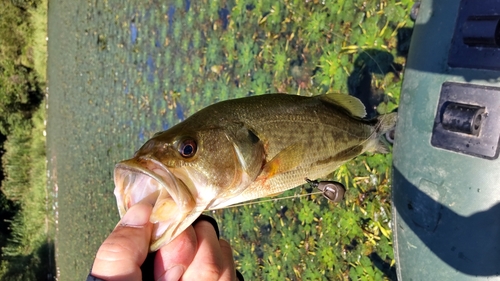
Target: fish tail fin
386, 125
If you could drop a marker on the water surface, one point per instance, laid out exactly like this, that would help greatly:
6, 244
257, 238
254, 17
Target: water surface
119, 71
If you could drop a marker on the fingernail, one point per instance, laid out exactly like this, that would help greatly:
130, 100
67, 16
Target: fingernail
137, 215
173, 274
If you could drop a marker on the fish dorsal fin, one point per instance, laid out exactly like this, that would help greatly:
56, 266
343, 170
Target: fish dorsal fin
352, 104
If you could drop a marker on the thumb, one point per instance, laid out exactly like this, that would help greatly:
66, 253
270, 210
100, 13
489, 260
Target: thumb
122, 253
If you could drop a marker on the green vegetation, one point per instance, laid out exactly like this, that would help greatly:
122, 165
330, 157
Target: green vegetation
170, 59
306, 47
26, 249
308, 238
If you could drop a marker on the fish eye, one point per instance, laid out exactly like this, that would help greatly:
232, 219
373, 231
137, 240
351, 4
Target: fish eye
187, 148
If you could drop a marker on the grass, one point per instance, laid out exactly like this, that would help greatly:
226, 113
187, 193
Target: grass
28, 253
38, 40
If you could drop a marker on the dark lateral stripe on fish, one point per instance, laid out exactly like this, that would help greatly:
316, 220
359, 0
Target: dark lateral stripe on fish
345, 154
324, 161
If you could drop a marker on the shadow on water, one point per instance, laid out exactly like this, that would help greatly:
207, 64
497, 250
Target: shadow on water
376, 62
384, 266
359, 83
47, 266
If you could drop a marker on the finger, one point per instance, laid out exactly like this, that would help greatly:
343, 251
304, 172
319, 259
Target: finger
211, 220
122, 253
228, 270
207, 262
172, 259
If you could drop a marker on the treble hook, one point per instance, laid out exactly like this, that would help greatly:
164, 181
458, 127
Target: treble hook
332, 190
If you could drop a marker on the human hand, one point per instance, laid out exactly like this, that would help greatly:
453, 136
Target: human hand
196, 253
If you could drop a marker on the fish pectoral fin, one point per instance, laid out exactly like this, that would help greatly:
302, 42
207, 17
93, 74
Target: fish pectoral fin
248, 148
352, 104
286, 160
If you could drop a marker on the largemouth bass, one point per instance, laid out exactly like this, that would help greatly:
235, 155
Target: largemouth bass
242, 149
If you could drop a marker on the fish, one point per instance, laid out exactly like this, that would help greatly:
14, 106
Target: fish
243, 149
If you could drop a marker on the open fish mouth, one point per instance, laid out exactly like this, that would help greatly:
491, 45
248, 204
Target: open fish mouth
148, 180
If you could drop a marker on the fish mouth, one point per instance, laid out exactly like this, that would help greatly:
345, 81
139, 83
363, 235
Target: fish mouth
148, 180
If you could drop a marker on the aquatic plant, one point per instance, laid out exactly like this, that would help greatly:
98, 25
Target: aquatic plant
204, 51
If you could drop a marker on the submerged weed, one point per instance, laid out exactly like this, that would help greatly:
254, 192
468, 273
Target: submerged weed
215, 50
